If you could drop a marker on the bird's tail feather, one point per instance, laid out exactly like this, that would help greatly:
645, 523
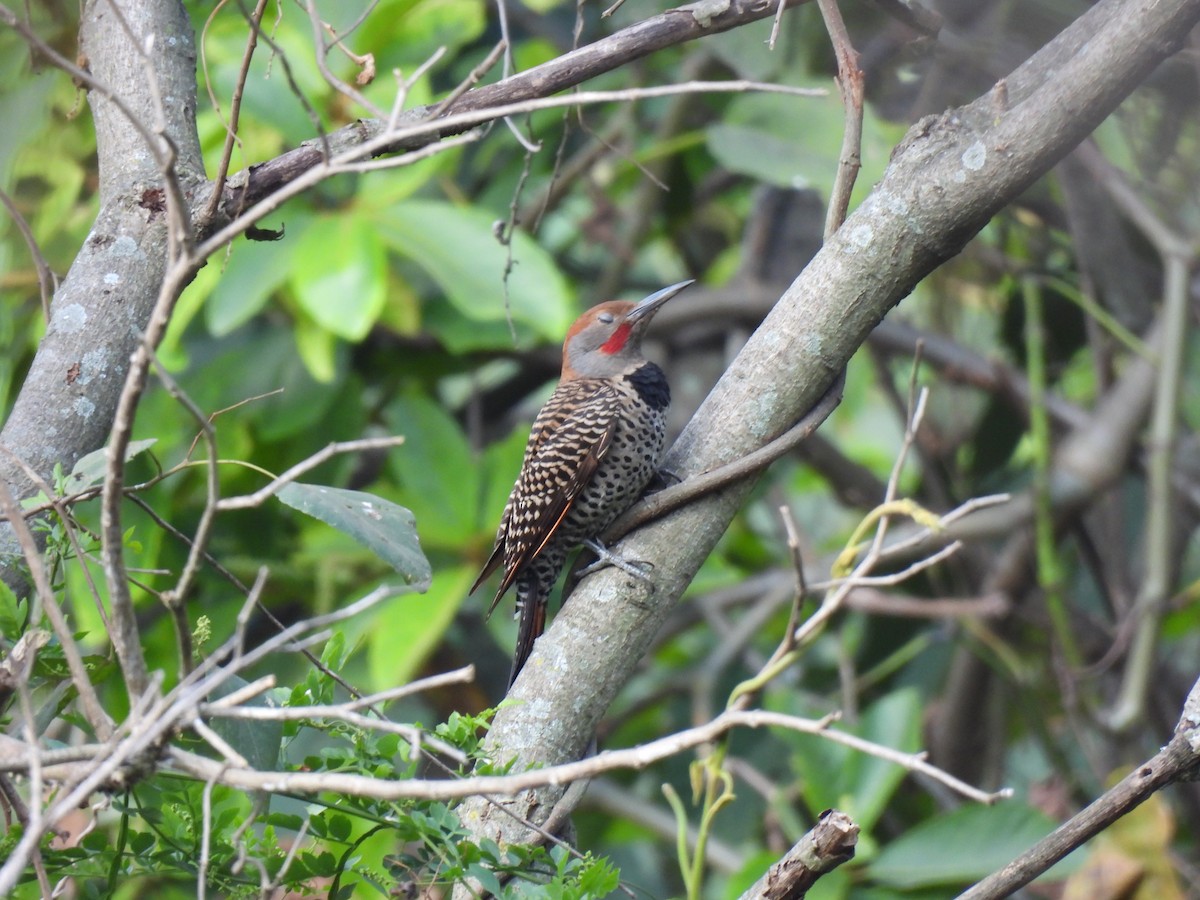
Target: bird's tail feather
531, 622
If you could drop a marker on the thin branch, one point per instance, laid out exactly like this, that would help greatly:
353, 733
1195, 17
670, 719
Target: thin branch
404, 85
46, 603
1162, 542
333, 711
235, 109
609, 760
322, 59
418, 133
327, 452
476, 74
852, 84
47, 280
218, 743
175, 599
826, 846
205, 838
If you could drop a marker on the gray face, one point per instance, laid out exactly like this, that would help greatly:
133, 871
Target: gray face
585, 353
607, 340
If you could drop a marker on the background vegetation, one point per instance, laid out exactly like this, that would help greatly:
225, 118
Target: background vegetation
1050, 653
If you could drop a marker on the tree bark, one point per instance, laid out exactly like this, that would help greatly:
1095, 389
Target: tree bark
67, 401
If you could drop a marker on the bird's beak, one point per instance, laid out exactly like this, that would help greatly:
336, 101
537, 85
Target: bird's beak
651, 304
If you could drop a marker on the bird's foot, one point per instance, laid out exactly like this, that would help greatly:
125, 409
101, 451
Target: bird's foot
638, 568
661, 480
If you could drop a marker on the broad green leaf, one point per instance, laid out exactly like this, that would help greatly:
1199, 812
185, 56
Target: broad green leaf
456, 246
254, 362
269, 100
439, 477
838, 777
63, 176
318, 349
544, 6
405, 32
339, 274
784, 140
26, 101
89, 469
743, 50
258, 740
460, 335
13, 613
405, 630
964, 846
253, 271
382, 526
339, 827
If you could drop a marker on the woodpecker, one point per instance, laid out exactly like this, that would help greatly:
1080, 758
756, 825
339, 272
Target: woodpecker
594, 447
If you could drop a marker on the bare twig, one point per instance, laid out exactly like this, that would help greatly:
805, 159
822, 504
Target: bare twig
327, 452
322, 58
334, 711
47, 280
1161, 523
852, 84
205, 837
477, 73
509, 785
417, 132
45, 603
235, 108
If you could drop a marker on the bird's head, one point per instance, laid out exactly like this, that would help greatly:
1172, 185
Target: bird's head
607, 339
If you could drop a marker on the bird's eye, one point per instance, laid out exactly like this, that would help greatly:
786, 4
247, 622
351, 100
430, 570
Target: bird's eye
606, 318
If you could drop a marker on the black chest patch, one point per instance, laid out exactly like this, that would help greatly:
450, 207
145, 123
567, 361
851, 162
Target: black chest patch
651, 386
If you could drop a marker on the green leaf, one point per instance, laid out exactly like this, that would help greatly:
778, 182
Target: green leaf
257, 740
438, 475
412, 29
385, 528
285, 820
339, 271
964, 846
317, 348
336, 651
339, 827
457, 247
487, 879
838, 777
254, 270
783, 140
405, 630
90, 469
256, 361
141, 842
599, 877
13, 613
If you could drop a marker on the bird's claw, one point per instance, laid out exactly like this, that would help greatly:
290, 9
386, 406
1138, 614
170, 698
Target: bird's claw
638, 568
661, 480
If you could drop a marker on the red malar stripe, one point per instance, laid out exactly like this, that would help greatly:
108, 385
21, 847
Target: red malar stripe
617, 342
